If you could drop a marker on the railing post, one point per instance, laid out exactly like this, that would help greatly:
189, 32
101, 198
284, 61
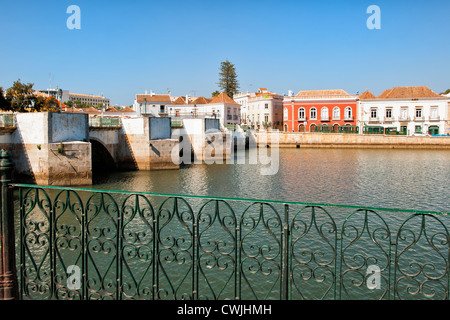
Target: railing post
8, 274
286, 265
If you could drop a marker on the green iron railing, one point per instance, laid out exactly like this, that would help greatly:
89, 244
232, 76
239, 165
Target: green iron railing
104, 122
7, 120
136, 245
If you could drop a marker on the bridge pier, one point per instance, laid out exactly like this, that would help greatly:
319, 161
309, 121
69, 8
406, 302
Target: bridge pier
50, 148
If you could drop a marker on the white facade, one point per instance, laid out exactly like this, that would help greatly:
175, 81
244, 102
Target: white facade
412, 116
58, 94
151, 104
242, 99
260, 109
265, 111
226, 113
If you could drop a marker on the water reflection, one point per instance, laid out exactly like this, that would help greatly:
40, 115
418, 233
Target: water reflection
410, 179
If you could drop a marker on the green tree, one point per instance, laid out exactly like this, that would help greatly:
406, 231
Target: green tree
21, 96
228, 82
5, 104
46, 104
215, 93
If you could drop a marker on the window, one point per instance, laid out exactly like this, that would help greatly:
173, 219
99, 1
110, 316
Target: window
285, 114
266, 119
388, 113
324, 114
404, 113
336, 113
373, 113
313, 114
418, 129
301, 114
348, 113
266, 106
434, 113
418, 113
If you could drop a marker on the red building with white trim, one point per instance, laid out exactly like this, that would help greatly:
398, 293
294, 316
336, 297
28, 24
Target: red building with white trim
329, 109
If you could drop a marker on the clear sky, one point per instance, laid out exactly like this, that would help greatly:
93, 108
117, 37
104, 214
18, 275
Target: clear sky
126, 47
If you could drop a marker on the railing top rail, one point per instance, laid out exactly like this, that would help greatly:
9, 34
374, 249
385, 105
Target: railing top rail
20, 185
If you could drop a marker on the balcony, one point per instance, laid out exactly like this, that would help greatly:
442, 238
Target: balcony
388, 120
435, 118
374, 120
349, 118
324, 118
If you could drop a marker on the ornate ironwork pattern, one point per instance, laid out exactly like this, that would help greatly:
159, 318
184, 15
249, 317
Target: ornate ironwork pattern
261, 251
128, 245
365, 256
422, 259
217, 251
313, 254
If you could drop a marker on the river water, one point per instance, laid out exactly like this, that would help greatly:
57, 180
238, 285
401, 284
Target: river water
389, 178
408, 260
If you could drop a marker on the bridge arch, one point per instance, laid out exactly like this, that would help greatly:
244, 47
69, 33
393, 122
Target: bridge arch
102, 159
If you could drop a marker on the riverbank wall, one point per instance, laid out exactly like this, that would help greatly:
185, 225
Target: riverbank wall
341, 140
50, 148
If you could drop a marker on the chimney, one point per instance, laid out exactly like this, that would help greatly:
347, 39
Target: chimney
290, 93
187, 99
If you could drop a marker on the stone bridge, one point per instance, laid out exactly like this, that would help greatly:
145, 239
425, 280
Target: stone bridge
69, 149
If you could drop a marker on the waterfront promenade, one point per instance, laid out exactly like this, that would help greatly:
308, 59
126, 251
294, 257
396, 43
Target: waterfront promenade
344, 140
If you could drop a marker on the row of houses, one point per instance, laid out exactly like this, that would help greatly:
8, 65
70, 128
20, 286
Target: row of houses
400, 110
221, 107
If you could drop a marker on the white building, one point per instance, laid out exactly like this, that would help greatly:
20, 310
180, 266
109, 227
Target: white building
151, 104
265, 110
261, 109
242, 99
94, 100
221, 107
58, 94
409, 110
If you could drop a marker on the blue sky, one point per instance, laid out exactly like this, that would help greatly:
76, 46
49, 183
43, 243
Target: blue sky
126, 47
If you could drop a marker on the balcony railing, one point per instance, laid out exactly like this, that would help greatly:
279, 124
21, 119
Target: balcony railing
435, 118
136, 245
348, 118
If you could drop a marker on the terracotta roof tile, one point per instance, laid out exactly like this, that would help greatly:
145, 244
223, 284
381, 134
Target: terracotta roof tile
153, 98
179, 101
408, 92
200, 100
311, 93
127, 109
367, 95
223, 98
